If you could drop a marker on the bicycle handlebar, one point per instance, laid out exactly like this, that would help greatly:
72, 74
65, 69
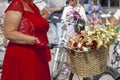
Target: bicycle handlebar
52, 45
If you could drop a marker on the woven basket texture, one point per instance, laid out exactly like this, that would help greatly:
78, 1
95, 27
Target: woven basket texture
87, 64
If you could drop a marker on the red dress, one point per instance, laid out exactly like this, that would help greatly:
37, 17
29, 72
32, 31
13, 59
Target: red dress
23, 61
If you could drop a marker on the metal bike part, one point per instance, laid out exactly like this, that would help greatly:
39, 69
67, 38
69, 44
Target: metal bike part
58, 61
118, 77
109, 74
60, 54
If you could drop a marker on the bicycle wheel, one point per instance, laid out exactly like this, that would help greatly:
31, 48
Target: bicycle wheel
118, 77
109, 74
58, 62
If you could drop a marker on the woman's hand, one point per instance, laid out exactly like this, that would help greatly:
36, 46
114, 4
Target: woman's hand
45, 13
35, 41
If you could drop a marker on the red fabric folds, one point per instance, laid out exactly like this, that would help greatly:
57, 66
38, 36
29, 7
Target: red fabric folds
26, 62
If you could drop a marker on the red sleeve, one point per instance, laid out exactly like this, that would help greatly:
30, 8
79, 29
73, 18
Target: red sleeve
15, 5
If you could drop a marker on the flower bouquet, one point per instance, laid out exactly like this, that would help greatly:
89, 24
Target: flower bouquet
90, 49
84, 41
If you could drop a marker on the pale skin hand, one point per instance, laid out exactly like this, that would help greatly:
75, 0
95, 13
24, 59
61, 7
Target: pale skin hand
11, 24
94, 10
45, 13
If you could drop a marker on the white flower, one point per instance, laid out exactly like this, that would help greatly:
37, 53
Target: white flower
103, 35
79, 45
100, 43
93, 39
85, 49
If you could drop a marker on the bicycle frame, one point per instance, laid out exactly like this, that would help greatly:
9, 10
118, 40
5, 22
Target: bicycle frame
60, 53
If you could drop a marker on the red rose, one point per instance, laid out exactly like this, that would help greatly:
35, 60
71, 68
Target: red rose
94, 45
81, 49
75, 44
84, 43
79, 32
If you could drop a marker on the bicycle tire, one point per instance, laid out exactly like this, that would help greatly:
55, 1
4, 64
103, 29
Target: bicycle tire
58, 63
118, 77
109, 72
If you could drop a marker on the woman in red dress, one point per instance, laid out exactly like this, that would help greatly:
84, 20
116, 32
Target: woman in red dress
25, 57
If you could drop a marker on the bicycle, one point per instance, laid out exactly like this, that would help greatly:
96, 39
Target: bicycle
60, 55
110, 73
60, 52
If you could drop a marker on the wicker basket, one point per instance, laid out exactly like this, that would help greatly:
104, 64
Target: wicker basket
87, 64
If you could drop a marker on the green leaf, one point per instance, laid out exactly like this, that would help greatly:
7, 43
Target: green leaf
117, 28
